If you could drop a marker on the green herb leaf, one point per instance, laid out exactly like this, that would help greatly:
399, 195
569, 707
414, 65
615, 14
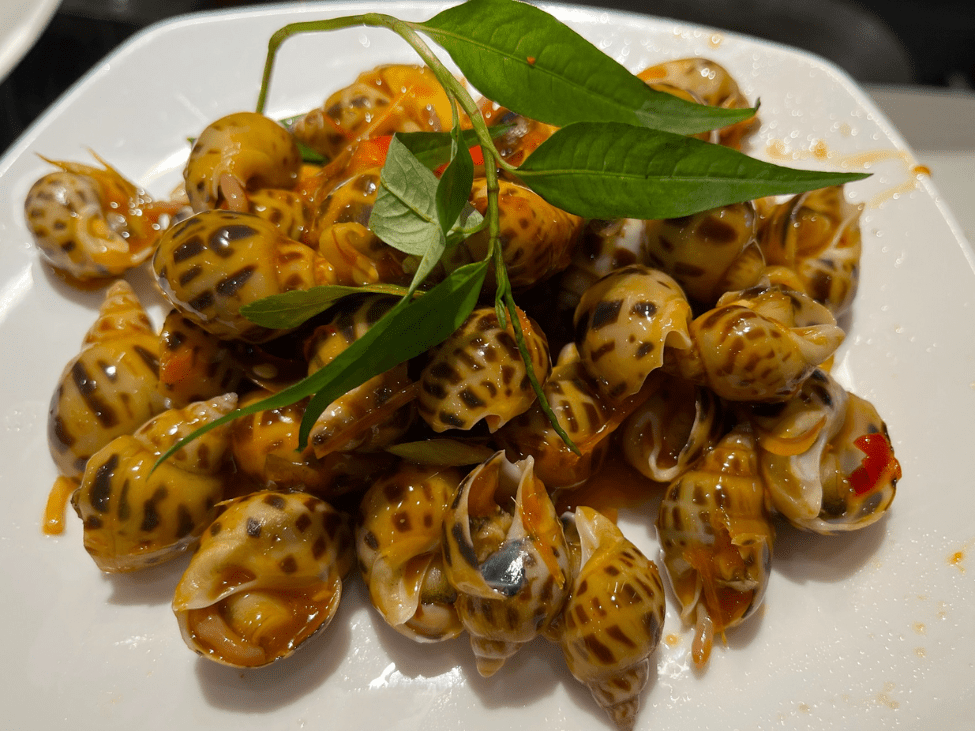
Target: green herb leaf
448, 452
433, 148
291, 309
454, 187
619, 171
407, 330
526, 60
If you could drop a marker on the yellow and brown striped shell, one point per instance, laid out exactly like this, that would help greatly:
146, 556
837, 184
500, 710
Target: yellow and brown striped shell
521, 138
388, 99
374, 414
236, 155
614, 617
817, 234
266, 577
581, 411
136, 517
193, 364
478, 373
624, 323
671, 428
213, 263
716, 537
708, 253
92, 223
826, 458
284, 208
110, 388
505, 554
399, 537
712, 84
759, 344
537, 239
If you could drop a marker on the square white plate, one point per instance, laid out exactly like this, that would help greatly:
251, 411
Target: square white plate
865, 631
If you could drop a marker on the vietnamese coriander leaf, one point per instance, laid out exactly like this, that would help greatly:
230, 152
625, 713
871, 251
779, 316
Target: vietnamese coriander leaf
448, 452
410, 328
620, 171
454, 187
290, 309
433, 148
524, 59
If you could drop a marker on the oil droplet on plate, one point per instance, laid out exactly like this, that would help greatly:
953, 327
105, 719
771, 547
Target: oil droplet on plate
672, 640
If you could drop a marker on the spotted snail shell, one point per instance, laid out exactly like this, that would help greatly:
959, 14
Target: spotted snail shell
708, 253
759, 344
537, 239
716, 538
614, 617
671, 429
623, 324
266, 577
478, 373
523, 135
387, 99
238, 154
712, 84
826, 458
110, 387
213, 263
193, 364
580, 410
399, 536
818, 235
92, 223
284, 208
136, 517
374, 414
505, 554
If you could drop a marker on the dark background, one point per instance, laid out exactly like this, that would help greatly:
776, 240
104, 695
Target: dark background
902, 42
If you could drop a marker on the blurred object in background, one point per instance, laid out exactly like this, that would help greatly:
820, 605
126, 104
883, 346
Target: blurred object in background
928, 42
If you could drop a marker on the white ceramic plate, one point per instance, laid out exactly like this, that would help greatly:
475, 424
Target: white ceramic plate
865, 631
21, 23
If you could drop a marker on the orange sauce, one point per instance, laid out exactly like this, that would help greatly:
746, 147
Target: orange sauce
615, 486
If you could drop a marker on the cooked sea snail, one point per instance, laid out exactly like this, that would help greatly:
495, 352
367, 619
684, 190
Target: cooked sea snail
817, 234
213, 263
393, 98
826, 458
478, 373
708, 253
110, 387
266, 577
374, 414
236, 155
614, 617
505, 554
399, 537
759, 344
92, 223
716, 537
136, 517
193, 364
624, 323
672, 428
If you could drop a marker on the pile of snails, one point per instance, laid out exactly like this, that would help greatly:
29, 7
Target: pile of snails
695, 349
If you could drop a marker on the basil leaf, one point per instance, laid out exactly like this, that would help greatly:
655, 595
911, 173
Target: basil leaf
409, 329
619, 171
448, 452
526, 60
290, 309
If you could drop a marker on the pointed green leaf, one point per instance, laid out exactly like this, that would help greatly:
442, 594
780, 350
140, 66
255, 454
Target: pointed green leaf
449, 452
454, 187
526, 60
620, 171
409, 329
290, 309
433, 148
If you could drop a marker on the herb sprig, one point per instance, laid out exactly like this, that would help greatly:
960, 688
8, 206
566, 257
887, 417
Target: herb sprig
620, 152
